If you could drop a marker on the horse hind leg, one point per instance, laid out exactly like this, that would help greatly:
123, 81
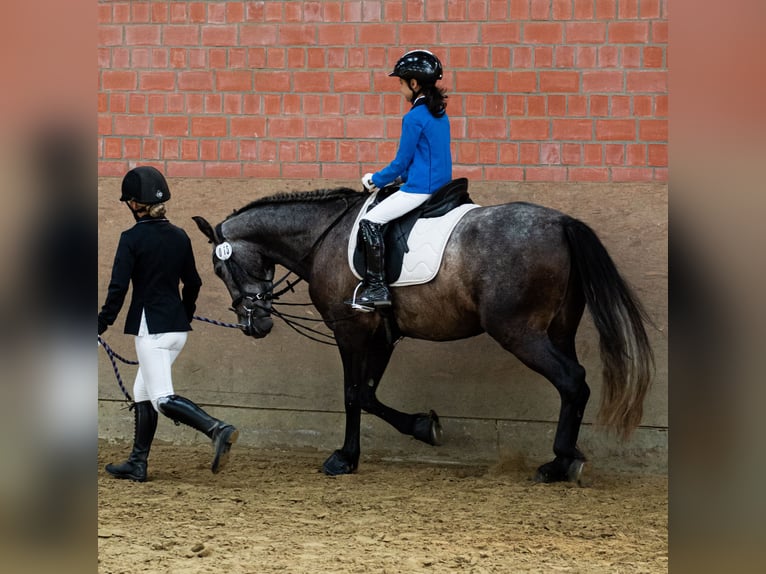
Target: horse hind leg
538, 352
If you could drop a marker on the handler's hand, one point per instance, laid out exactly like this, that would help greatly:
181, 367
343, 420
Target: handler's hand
367, 183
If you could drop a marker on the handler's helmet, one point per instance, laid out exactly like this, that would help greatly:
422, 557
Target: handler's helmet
419, 64
145, 184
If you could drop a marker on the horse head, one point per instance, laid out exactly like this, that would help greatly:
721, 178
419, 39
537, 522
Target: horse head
248, 276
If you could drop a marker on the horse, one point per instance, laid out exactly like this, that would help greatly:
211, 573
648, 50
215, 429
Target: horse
520, 272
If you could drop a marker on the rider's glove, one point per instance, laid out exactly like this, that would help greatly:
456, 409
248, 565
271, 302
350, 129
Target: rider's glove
368, 184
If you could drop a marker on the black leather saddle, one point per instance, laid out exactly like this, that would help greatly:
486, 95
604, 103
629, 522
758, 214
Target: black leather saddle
396, 232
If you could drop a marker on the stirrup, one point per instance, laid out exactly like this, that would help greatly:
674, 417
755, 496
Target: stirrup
359, 306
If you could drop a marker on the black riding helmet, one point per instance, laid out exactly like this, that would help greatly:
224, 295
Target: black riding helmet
145, 184
419, 64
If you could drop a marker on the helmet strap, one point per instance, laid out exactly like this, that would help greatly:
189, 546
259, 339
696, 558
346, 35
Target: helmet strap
136, 212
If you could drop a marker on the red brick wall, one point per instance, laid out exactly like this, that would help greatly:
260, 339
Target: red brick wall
540, 90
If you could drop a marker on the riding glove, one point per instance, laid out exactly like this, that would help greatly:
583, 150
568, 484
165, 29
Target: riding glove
368, 184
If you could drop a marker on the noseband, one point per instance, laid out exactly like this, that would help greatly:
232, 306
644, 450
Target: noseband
248, 300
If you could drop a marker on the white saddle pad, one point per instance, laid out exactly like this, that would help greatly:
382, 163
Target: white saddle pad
426, 244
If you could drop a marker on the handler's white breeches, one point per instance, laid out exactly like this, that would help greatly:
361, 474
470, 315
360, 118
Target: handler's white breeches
156, 353
396, 205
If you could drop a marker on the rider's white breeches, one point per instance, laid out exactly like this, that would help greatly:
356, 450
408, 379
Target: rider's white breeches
396, 205
156, 354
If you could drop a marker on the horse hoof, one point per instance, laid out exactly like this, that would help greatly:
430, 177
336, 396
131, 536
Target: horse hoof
428, 428
337, 464
574, 473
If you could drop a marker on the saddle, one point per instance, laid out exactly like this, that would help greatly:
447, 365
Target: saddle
397, 232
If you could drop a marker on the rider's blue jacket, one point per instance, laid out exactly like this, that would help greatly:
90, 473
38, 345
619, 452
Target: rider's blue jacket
424, 159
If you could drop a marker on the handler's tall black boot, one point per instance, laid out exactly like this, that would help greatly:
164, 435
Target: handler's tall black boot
145, 425
223, 435
375, 292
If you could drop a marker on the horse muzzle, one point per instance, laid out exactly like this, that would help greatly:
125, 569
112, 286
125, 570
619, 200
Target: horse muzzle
254, 321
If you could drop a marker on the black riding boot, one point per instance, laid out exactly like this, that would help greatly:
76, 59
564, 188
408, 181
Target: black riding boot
375, 292
223, 435
145, 425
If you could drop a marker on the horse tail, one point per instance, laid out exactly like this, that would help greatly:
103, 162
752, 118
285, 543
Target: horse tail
627, 357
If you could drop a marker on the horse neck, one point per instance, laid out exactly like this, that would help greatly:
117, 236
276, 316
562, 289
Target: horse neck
287, 233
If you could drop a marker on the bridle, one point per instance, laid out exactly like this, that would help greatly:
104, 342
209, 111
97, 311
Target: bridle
258, 298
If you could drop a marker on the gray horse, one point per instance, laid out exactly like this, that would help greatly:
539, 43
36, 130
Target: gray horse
520, 272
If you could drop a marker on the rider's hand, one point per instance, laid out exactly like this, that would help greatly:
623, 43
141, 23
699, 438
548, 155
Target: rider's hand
368, 184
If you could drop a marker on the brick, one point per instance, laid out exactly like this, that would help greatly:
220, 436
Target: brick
577, 106
261, 170
653, 57
208, 126
286, 128
324, 128
603, 81
195, 81
649, 9
351, 82
661, 106
142, 35
536, 106
594, 174
653, 130
568, 129
620, 106
235, 11
180, 35
308, 82
232, 104
559, 81
478, 128
501, 57
208, 150
184, 169
583, 9
631, 57
435, 9
258, 35
272, 81
550, 154
219, 35
544, 56
608, 57
297, 34
475, 82
539, 9
502, 173
545, 174
606, 9
614, 154
635, 154
132, 125
104, 125
488, 152
228, 151
300, 170
140, 11
500, 33
217, 58
113, 148
118, 103
223, 169
647, 81
613, 130
543, 33
562, 9
529, 129
557, 105
628, 32
508, 153
627, 9
593, 154
131, 148
247, 127
498, 9
118, 80
599, 105
517, 81
234, 81
585, 32
150, 149
659, 32
364, 128
473, 105
197, 11
643, 106
564, 56
459, 33
335, 34
478, 9
376, 34
627, 174
340, 170
190, 149
571, 154
522, 57
585, 57
467, 152
137, 104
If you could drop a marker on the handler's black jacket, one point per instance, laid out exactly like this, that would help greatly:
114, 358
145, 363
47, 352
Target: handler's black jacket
155, 255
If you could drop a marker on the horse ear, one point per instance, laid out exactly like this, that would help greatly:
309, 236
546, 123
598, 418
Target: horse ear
205, 227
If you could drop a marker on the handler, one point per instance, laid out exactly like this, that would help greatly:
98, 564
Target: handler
156, 256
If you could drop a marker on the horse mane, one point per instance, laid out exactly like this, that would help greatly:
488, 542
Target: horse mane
300, 197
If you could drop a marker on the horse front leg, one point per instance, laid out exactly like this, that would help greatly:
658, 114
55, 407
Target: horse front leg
346, 459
